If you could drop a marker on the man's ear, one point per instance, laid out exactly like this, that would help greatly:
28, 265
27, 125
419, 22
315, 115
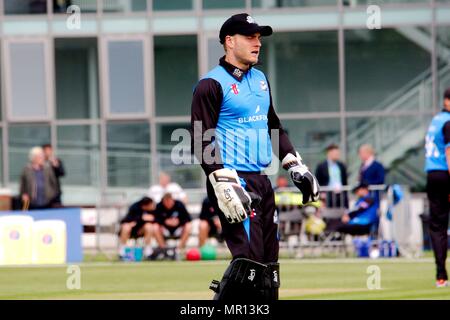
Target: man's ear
229, 41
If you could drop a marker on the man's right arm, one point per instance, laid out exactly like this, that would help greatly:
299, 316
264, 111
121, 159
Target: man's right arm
206, 104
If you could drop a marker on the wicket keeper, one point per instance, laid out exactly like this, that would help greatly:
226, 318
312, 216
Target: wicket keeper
234, 100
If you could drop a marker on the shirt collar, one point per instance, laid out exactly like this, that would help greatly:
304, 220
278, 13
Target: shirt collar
369, 161
234, 71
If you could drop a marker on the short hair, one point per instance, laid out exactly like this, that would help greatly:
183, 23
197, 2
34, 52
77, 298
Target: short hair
447, 93
146, 201
34, 152
166, 196
332, 146
367, 147
46, 145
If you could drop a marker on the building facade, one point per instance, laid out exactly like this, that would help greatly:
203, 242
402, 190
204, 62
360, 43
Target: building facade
109, 84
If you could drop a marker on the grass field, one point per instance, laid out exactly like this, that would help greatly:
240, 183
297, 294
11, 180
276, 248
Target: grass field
301, 279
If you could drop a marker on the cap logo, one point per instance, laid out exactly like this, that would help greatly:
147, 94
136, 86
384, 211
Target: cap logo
250, 19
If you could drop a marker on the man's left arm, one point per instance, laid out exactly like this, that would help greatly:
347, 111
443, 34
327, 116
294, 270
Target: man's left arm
447, 143
291, 160
59, 169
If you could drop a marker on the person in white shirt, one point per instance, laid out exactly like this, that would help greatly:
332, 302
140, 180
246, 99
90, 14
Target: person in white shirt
165, 185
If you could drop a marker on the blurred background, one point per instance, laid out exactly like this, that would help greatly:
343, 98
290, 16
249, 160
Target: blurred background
109, 94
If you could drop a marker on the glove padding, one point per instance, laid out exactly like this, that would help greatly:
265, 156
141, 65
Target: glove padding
304, 180
232, 198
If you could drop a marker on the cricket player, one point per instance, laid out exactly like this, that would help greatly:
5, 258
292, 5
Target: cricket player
437, 166
234, 100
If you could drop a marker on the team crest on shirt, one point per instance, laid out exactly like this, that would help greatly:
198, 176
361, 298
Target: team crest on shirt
235, 88
263, 85
237, 73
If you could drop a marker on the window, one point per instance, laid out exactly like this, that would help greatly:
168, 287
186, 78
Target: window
27, 73
124, 6
21, 139
25, 6
174, 156
175, 74
76, 72
126, 75
128, 147
386, 69
219, 4
161, 5
79, 149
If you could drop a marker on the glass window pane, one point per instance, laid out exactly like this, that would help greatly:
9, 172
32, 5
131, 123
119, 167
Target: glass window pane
25, 6
387, 69
79, 149
291, 3
60, 6
220, 4
443, 55
1, 156
27, 74
126, 77
124, 6
160, 5
128, 154
305, 73
174, 155
175, 74
76, 73
21, 139
310, 137
215, 52
395, 139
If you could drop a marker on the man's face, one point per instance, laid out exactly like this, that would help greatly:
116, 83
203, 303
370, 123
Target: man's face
447, 104
48, 152
364, 154
362, 192
39, 159
164, 180
245, 48
148, 207
334, 154
168, 203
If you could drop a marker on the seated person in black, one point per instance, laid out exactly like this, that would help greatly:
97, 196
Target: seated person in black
138, 222
173, 221
209, 223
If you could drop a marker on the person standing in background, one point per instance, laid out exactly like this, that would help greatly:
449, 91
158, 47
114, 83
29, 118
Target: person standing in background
38, 185
437, 167
332, 173
58, 169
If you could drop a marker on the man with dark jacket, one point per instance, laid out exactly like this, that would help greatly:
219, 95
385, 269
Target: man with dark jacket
58, 169
38, 185
371, 171
138, 222
173, 221
332, 173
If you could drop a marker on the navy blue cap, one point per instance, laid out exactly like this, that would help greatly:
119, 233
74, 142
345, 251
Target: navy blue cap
244, 24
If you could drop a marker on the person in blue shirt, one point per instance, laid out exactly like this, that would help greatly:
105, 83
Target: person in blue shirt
234, 129
437, 167
364, 214
362, 217
332, 173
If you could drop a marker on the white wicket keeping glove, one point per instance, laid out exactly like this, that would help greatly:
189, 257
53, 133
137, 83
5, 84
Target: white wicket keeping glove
233, 199
302, 178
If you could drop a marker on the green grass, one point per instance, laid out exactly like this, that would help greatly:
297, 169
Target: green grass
301, 279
